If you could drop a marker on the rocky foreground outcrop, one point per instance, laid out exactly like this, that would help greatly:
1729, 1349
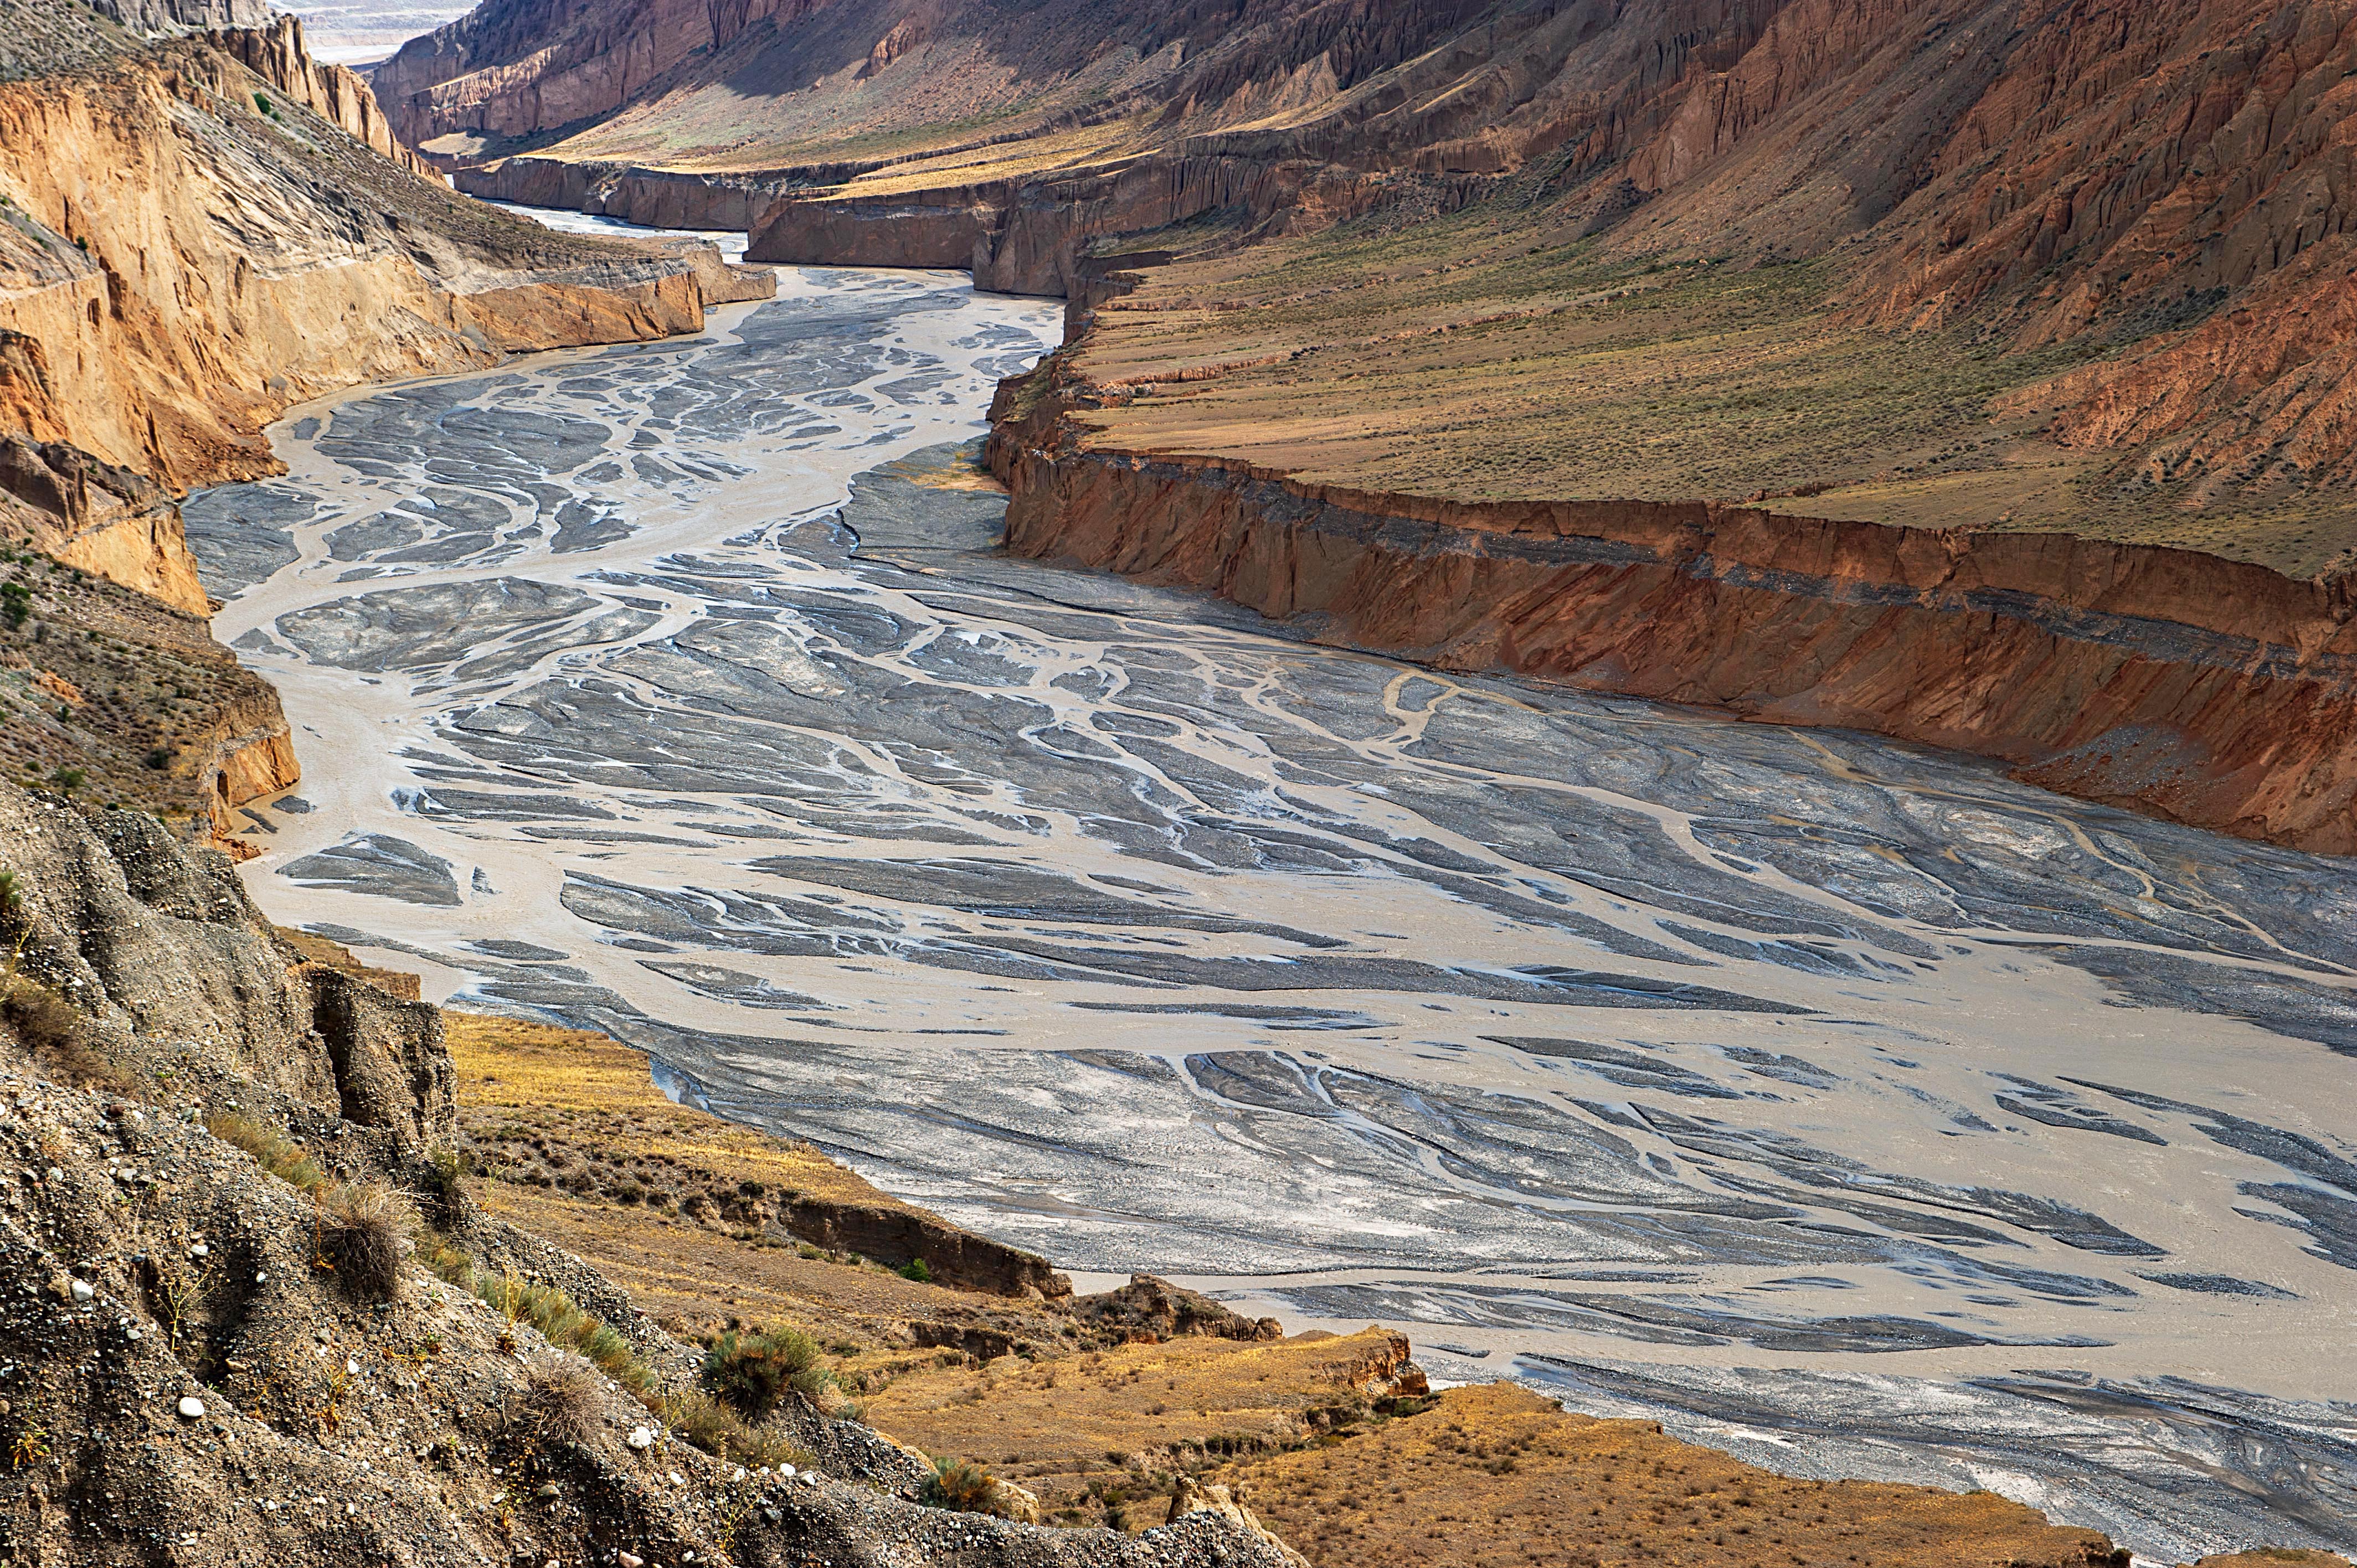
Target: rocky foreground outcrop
223, 1341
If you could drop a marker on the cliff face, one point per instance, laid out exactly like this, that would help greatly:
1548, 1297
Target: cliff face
272, 49
108, 674
190, 263
194, 234
2207, 692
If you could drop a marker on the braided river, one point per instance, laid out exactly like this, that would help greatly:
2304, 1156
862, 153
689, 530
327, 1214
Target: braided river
1842, 1104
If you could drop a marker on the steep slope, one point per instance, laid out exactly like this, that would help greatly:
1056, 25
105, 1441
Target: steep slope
223, 1328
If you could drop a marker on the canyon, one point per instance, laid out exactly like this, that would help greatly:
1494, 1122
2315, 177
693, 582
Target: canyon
1742, 1078
2053, 294
1185, 732
197, 229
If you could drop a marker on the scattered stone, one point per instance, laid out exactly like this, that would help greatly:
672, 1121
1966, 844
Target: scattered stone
83, 1290
642, 1438
192, 1407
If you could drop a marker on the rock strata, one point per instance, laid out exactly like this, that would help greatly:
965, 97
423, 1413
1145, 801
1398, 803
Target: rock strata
203, 231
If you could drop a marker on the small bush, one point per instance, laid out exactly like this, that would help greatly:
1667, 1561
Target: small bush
914, 1269
561, 1404
365, 1226
753, 1370
962, 1486
443, 1185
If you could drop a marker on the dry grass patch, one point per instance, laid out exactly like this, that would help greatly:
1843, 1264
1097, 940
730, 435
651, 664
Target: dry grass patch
1131, 1418
1498, 1478
677, 1206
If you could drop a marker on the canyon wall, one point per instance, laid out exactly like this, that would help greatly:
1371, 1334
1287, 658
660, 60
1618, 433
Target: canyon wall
196, 233
191, 263
275, 52
2212, 692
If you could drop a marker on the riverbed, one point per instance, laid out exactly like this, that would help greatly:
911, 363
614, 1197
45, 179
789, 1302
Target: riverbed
1841, 1103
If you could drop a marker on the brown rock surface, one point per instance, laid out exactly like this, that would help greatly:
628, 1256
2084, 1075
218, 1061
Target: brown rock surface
184, 254
117, 684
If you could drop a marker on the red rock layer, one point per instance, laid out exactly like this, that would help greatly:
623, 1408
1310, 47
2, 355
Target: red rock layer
2215, 693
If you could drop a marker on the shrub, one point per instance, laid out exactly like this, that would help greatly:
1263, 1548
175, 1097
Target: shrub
914, 1269
69, 778
562, 1405
753, 1370
442, 1183
365, 1225
962, 1486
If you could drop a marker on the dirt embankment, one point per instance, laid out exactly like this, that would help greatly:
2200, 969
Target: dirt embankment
2210, 691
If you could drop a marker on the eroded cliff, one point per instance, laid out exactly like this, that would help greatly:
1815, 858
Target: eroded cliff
196, 231
2212, 692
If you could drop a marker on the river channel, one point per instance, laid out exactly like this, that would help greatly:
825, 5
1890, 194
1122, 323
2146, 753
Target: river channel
1840, 1104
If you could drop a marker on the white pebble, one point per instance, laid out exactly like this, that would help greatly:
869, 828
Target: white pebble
83, 1290
642, 1438
192, 1407
630, 1560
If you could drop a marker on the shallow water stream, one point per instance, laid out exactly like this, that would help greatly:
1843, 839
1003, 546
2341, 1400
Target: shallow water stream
1838, 1103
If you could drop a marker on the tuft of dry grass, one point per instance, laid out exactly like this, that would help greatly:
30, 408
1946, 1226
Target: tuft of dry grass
271, 1149
367, 1225
57, 1034
561, 1404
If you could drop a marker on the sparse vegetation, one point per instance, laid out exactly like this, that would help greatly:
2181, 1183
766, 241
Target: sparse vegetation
754, 1370
560, 1404
365, 1235
965, 1488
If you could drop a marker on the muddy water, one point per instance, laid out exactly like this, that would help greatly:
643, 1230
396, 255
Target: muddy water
1844, 1104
